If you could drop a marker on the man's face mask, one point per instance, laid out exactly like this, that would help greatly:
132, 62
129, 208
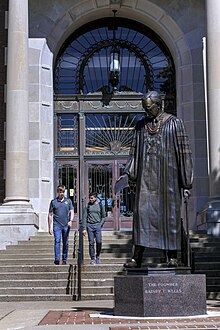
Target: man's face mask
151, 108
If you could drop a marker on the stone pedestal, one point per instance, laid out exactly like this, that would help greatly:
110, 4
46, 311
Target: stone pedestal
17, 223
160, 295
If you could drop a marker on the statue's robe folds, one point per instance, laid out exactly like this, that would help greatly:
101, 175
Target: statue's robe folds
161, 165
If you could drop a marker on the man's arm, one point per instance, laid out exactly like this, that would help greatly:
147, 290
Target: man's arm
50, 217
71, 218
84, 221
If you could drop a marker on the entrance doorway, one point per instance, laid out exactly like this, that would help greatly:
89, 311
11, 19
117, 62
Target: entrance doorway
100, 176
67, 174
91, 152
95, 115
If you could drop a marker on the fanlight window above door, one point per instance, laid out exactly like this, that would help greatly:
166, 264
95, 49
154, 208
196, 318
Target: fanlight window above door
82, 66
110, 134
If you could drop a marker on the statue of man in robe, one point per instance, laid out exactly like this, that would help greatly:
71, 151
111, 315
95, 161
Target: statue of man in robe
160, 162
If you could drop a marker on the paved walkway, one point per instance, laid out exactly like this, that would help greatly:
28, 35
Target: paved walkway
94, 315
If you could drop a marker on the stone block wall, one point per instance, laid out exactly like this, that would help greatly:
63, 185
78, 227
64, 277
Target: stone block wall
3, 67
40, 128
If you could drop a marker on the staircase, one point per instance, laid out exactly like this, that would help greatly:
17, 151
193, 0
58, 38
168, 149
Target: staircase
206, 257
27, 272
98, 280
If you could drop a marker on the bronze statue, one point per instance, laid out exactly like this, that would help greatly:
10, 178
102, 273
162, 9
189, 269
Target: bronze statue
160, 162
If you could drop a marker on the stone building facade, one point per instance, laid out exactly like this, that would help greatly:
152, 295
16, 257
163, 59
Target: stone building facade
33, 36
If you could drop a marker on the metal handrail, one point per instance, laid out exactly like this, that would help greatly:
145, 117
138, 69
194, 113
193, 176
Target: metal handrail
71, 279
69, 287
74, 244
80, 259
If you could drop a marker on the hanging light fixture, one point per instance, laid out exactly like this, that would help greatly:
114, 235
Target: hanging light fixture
114, 60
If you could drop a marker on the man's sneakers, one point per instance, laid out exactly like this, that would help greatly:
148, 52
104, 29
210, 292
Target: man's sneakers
57, 262
95, 261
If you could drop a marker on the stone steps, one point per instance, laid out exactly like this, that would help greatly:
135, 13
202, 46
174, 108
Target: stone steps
50, 255
97, 282
210, 273
33, 276
97, 296
93, 275
31, 283
204, 265
33, 268
35, 297
213, 281
206, 244
34, 290
206, 258
49, 249
208, 249
202, 258
213, 295
105, 260
49, 261
27, 272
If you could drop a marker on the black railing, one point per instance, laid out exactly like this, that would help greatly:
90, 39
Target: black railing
71, 279
80, 259
79, 262
75, 244
69, 287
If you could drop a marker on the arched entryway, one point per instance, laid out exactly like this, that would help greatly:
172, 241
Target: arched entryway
94, 120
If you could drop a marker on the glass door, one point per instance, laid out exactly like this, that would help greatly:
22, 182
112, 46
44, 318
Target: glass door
67, 174
125, 201
101, 179
91, 152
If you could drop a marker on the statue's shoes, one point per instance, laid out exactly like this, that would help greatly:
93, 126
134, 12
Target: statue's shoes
172, 262
130, 264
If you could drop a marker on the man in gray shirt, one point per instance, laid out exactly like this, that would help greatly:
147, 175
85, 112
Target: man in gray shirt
93, 220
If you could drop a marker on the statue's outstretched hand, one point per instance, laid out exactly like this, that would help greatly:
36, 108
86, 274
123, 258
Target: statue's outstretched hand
121, 183
121, 177
186, 193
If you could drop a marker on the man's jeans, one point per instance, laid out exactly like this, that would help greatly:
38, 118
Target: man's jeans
59, 231
94, 232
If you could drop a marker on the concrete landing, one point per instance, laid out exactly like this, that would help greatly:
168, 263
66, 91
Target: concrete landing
94, 315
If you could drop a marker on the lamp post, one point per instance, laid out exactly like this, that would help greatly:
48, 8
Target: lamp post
114, 61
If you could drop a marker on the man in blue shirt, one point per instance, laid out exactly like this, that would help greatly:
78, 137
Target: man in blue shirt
61, 212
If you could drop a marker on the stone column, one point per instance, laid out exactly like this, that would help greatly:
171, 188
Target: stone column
17, 104
18, 221
213, 94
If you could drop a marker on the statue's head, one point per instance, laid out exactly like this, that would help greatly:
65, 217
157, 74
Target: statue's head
151, 103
